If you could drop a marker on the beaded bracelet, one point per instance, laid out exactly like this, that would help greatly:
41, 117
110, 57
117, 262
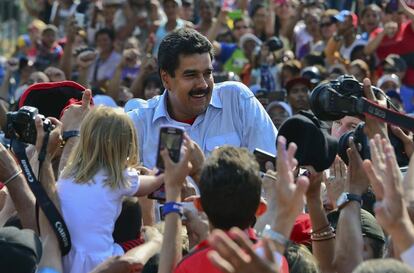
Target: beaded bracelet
331, 236
323, 234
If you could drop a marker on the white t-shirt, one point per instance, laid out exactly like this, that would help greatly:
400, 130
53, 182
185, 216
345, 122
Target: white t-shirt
346, 51
90, 211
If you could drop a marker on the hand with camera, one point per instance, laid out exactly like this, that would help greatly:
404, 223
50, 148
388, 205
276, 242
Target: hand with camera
54, 140
373, 126
386, 180
406, 138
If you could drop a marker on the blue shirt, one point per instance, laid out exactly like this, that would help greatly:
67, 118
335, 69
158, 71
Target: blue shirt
234, 117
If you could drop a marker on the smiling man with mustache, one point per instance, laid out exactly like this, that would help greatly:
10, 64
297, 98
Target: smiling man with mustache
212, 115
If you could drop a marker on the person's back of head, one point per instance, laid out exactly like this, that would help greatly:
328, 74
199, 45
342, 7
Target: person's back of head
230, 188
107, 142
383, 266
20, 250
300, 259
183, 42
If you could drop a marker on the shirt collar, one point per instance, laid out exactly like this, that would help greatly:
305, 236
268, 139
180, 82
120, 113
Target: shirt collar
161, 108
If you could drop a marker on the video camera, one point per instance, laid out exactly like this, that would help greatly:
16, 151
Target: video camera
21, 124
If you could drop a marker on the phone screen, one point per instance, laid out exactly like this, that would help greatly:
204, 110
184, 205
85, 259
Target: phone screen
171, 138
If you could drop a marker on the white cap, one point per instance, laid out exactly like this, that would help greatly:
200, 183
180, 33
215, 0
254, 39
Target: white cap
388, 78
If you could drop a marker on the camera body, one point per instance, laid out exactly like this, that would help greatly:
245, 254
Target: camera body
362, 144
338, 98
21, 124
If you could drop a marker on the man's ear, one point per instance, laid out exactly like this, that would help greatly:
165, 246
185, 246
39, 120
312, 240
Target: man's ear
262, 208
165, 77
197, 204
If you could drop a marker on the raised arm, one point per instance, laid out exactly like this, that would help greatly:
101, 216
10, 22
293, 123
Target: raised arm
174, 178
66, 60
349, 242
390, 208
72, 120
51, 257
323, 248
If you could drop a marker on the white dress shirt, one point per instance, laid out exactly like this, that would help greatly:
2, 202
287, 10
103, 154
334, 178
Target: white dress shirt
234, 117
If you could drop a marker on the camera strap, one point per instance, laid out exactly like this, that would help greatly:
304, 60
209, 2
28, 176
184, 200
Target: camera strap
49, 209
375, 111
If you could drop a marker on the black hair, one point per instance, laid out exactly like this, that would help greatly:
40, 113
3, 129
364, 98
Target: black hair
255, 9
377, 247
128, 225
153, 78
183, 41
107, 31
230, 188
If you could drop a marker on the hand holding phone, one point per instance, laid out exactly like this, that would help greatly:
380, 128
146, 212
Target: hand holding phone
262, 157
171, 138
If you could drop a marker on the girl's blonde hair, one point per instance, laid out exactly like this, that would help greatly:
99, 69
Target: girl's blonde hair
107, 141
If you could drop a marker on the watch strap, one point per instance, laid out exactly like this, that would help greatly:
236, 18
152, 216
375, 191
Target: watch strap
349, 198
68, 134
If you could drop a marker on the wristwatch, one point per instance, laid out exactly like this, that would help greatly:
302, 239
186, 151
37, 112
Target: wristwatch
68, 134
347, 197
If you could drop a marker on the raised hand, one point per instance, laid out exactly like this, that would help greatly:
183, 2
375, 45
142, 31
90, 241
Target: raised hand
175, 173
386, 181
239, 256
288, 195
74, 115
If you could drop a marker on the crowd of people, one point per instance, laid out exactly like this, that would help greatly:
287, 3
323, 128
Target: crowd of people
333, 195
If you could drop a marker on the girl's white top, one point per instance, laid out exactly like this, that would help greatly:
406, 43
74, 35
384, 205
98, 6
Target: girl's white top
90, 211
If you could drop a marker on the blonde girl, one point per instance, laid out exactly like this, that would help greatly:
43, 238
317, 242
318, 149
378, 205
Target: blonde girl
99, 173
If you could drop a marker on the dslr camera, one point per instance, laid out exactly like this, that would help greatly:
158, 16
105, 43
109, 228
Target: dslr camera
338, 98
21, 125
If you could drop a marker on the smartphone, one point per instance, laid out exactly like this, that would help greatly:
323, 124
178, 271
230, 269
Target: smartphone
171, 138
262, 157
235, 14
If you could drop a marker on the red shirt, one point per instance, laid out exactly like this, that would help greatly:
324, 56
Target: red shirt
401, 44
197, 261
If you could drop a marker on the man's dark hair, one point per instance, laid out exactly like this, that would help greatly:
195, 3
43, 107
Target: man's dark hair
230, 188
128, 225
107, 31
183, 41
